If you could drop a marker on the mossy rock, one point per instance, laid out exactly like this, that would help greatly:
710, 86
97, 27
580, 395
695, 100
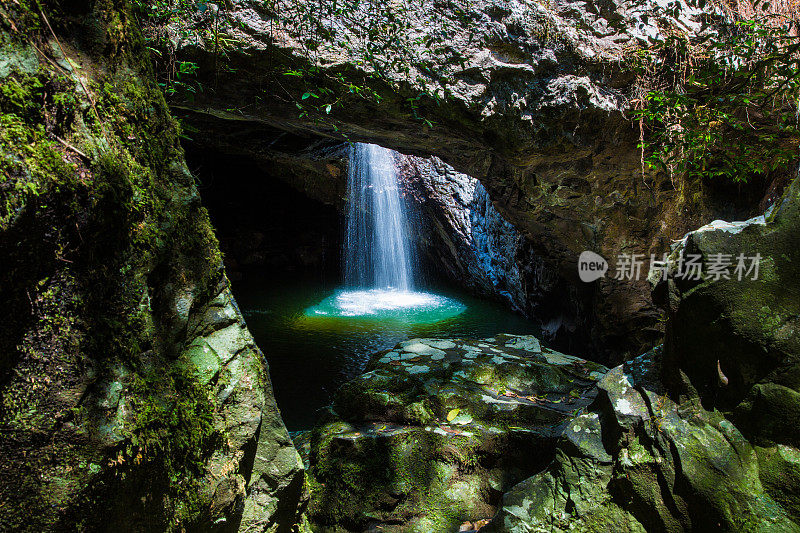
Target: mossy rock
437, 429
112, 414
735, 344
671, 468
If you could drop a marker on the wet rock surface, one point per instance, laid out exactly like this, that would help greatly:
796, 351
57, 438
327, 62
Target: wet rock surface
465, 235
637, 461
436, 430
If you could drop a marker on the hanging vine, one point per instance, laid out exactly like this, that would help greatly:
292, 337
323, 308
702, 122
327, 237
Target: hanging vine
383, 49
725, 106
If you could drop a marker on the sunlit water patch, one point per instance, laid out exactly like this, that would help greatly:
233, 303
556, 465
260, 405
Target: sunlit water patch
387, 304
311, 355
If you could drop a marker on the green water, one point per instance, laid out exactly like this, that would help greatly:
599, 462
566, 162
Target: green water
315, 337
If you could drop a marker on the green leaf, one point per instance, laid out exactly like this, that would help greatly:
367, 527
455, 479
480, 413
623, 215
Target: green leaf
462, 419
452, 414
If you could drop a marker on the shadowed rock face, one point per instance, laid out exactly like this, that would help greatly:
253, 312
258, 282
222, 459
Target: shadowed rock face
132, 396
262, 222
531, 102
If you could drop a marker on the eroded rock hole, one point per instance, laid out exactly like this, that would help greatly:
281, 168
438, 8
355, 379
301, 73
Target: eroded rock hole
282, 223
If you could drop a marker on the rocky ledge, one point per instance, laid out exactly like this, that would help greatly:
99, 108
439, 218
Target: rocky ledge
435, 431
637, 461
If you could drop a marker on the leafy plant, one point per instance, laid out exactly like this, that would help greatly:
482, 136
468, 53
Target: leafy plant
386, 54
183, 80
722, 107
179, 78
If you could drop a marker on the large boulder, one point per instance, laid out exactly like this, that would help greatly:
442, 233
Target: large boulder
437, 429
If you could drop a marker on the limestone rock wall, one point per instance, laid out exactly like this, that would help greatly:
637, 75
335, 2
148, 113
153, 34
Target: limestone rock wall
468, 237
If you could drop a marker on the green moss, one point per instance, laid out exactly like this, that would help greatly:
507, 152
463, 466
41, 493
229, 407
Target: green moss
174, 430
106, 225
31, 163
415, 475
779, 471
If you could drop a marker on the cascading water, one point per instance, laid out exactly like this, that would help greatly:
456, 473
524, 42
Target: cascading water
378, 254
326, 335
377, 246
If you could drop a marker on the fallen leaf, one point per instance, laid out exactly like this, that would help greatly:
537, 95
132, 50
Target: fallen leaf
452, 414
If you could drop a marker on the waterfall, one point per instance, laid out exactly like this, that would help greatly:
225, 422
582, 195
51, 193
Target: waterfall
378, 250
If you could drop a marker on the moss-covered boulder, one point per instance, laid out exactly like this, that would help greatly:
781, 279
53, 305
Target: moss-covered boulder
734, 343
132, 396
637, 461
436, 430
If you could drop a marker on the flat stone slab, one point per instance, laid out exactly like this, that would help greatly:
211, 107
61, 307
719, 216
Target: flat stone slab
495, 380
479, 415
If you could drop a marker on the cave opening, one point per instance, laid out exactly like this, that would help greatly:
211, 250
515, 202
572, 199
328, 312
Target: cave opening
282, 233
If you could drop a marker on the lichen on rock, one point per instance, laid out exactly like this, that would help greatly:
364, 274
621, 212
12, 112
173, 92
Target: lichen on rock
435, 430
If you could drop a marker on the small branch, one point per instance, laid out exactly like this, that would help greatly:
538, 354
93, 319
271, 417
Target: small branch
78, 76
68, 145
52, 62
